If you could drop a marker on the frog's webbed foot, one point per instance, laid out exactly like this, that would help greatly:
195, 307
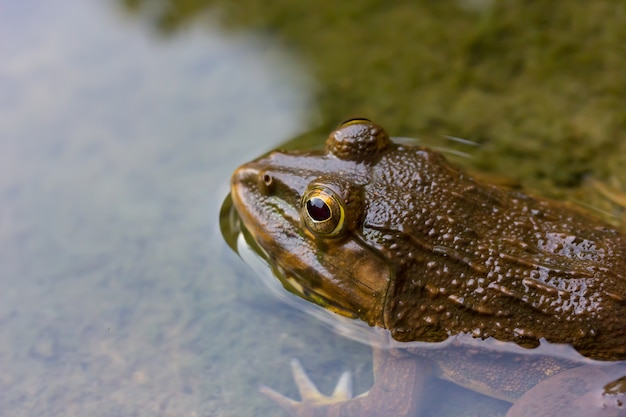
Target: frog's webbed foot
396, 392
310, 394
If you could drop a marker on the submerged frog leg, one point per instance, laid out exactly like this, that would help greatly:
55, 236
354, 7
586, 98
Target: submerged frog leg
399, 380
586, 391
308, 390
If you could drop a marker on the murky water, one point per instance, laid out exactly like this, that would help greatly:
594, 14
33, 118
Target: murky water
117, 140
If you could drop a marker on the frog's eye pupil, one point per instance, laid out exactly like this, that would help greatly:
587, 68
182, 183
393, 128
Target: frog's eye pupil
318, 209
322, 212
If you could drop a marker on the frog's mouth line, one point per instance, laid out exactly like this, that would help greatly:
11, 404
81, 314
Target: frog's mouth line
292, 285
292, 282
293, 277
341, 322
281, 280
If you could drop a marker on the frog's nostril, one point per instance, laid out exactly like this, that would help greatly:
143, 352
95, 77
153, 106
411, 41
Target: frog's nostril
267, 179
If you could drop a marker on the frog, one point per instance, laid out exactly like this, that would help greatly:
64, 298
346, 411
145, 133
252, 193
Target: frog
395, 236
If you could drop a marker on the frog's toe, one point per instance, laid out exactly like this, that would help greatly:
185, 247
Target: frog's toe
310, 394
397, 391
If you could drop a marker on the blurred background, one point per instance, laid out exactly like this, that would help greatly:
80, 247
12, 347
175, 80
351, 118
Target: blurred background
122, 120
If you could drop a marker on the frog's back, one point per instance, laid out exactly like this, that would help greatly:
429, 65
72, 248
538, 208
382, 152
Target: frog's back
495, 262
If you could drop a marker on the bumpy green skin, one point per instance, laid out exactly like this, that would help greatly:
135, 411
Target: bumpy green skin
476, 258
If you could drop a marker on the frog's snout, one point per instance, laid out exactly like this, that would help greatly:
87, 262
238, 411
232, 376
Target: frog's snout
252, 176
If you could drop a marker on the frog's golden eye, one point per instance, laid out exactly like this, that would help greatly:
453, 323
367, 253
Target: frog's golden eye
323, 212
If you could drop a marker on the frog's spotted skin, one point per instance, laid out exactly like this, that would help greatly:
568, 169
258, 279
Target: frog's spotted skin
397, 237
475, 258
